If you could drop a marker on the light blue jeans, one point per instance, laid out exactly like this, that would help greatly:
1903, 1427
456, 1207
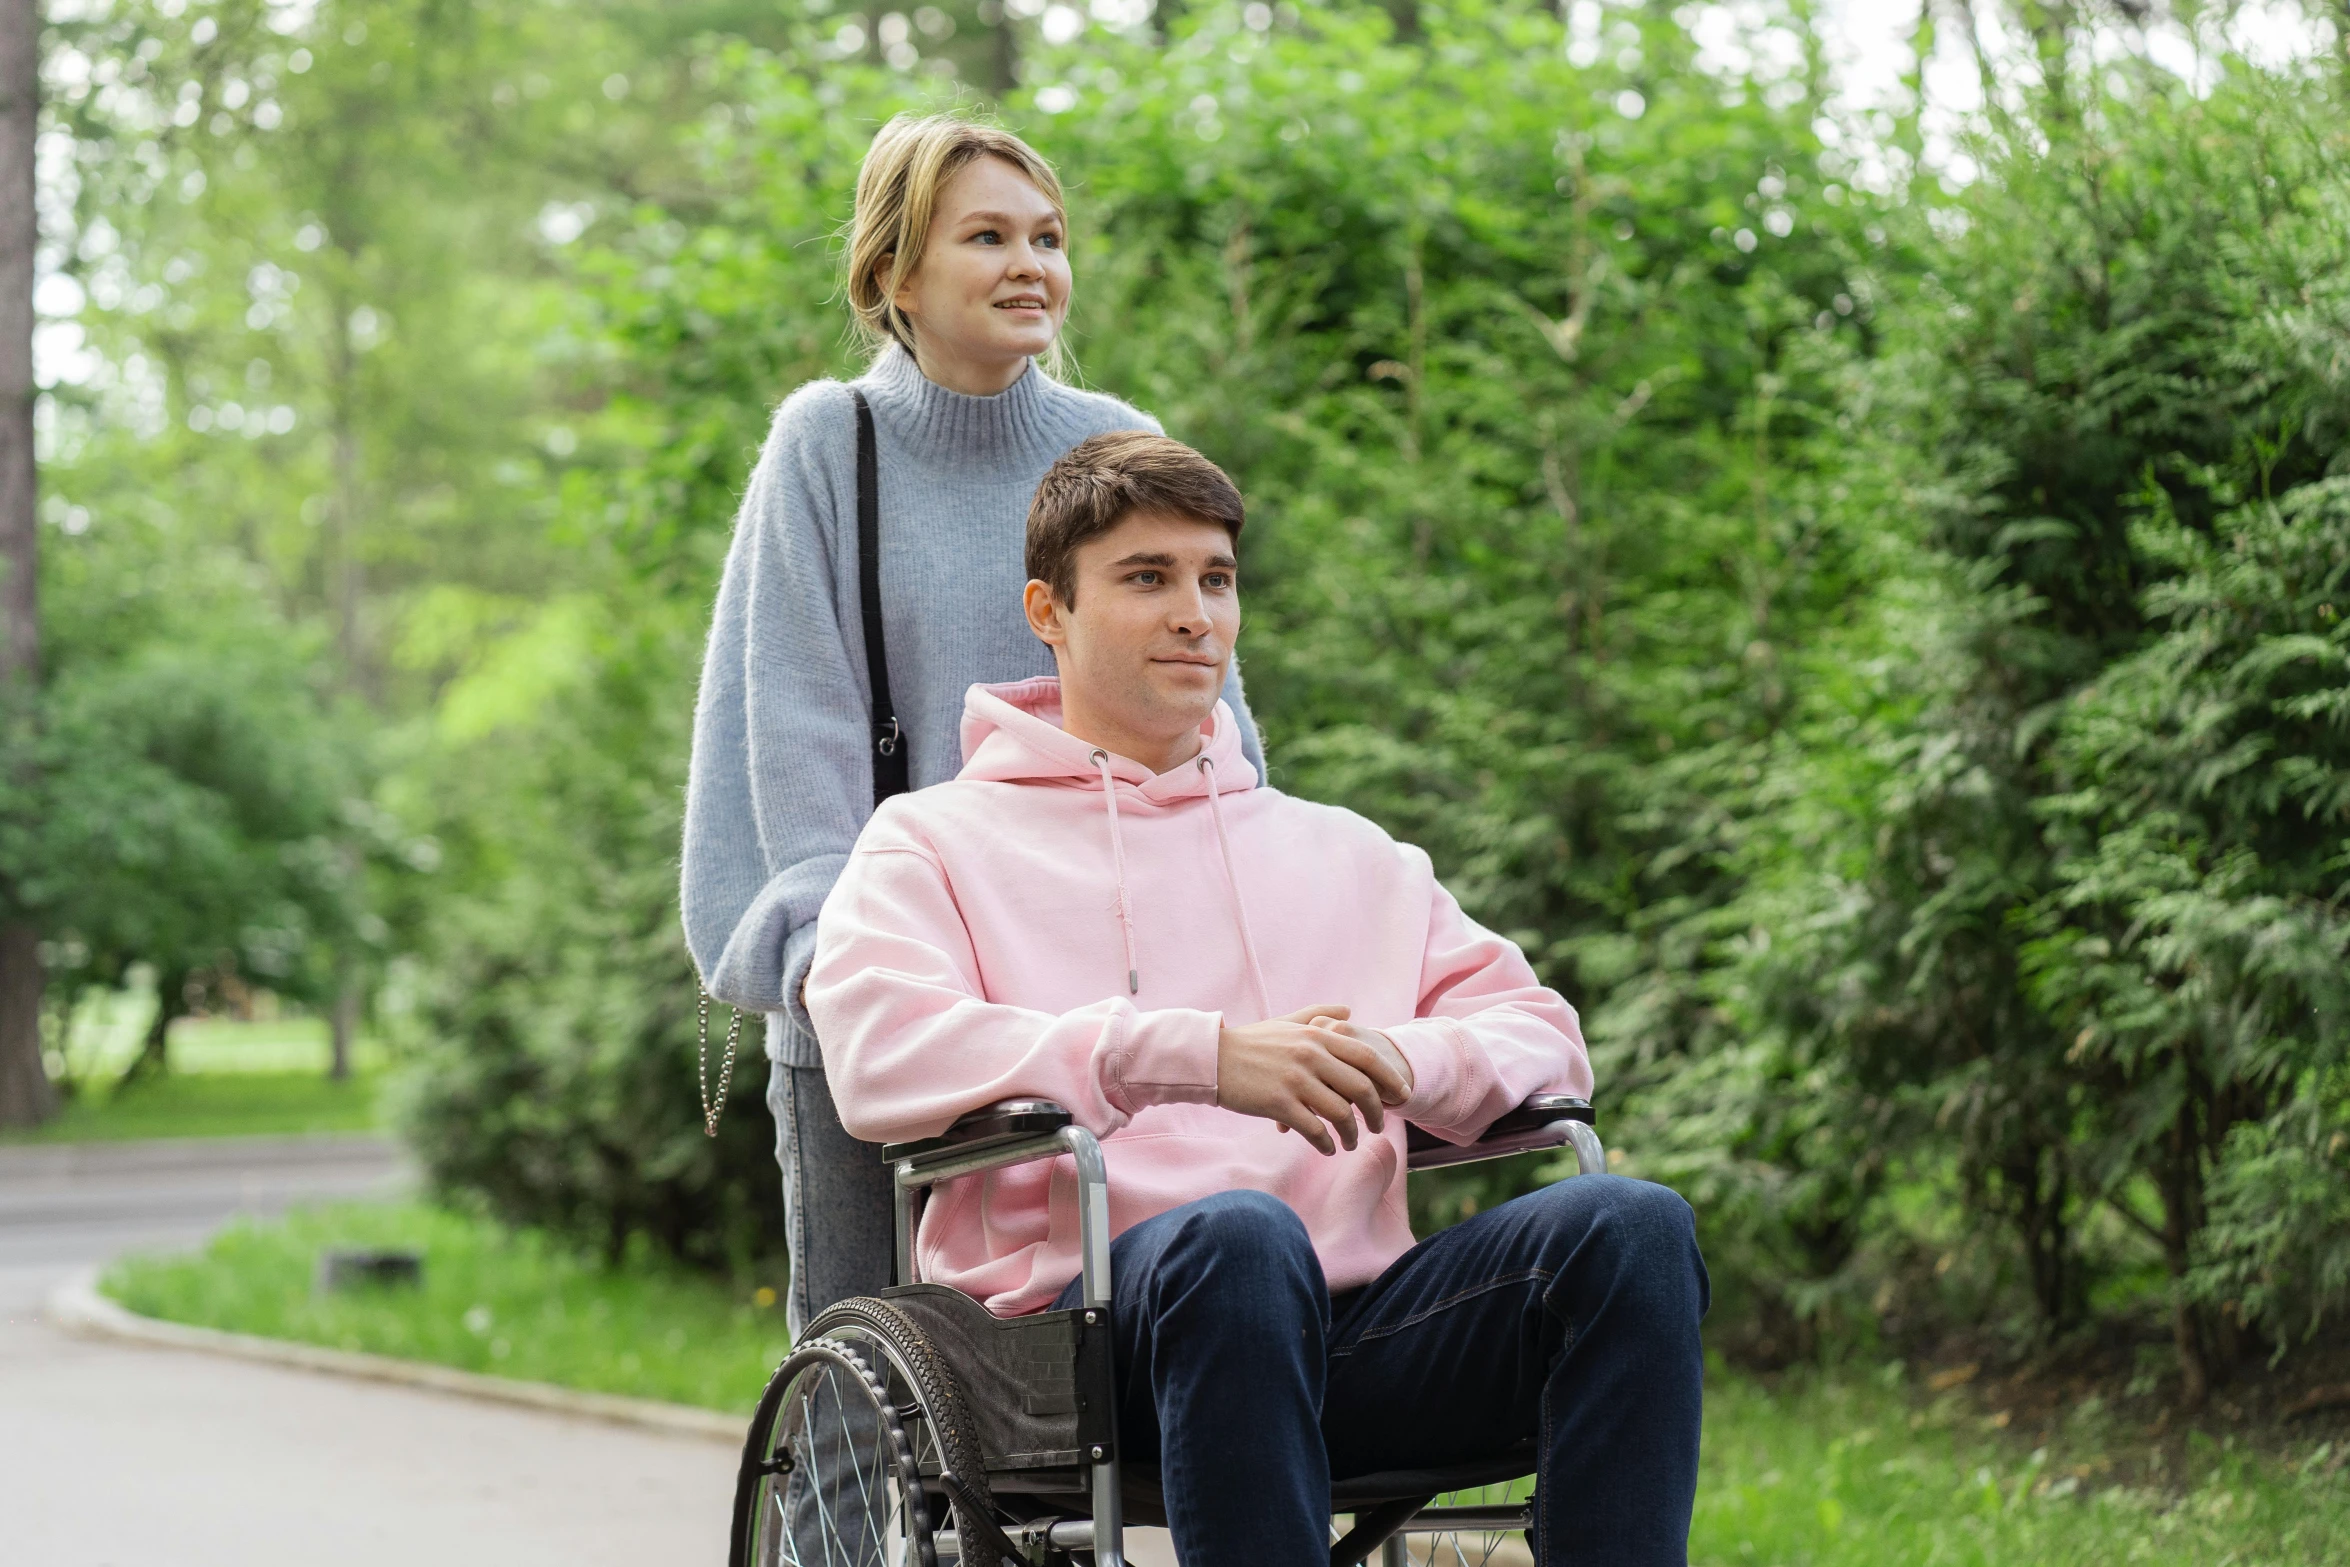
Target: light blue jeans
836, 1198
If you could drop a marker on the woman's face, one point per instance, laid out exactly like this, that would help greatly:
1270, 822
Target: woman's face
993, 286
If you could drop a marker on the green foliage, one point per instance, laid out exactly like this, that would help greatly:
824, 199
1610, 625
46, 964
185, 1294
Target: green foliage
558, 1030
1877, 642
2077, 918
2276, 1242
184, 792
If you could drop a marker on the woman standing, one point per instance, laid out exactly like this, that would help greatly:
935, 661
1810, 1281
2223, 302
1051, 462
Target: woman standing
958, 275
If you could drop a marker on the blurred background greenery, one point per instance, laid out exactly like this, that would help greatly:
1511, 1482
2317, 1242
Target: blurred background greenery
1860, 595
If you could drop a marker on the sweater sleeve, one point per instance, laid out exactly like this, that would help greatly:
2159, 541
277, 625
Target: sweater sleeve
910, 1044
780, 780
1487, 1034
1252, 744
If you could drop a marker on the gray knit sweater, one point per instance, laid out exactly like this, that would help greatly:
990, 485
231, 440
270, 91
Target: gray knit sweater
782, 777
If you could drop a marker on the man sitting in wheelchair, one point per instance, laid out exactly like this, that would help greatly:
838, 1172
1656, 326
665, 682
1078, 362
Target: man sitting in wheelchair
1245, 996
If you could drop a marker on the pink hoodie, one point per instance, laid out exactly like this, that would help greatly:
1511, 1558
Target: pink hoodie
1060, 923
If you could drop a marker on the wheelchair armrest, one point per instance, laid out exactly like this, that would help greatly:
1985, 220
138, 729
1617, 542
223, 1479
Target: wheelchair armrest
1543, 1121
1008, 1127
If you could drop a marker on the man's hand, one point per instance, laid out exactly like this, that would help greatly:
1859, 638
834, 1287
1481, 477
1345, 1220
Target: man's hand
1310, 1073
1381, 1046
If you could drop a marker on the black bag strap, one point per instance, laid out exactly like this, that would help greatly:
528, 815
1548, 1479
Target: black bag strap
889, 740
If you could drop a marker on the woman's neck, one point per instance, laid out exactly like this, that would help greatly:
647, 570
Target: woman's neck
972, 375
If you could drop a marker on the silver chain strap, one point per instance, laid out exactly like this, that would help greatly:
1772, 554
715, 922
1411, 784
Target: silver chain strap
713, 1109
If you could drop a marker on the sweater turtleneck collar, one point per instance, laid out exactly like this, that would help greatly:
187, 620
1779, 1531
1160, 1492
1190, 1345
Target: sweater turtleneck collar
1020, 423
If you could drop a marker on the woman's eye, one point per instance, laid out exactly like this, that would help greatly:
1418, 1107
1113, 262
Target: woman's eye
988, 237
1049, 241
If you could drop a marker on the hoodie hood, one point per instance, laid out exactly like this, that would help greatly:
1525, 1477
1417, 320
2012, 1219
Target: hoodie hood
1012, 734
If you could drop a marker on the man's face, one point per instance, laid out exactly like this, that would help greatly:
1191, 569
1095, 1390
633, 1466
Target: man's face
1146, 644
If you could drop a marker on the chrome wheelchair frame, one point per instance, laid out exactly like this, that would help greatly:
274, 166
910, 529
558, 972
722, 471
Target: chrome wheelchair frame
1086, 1519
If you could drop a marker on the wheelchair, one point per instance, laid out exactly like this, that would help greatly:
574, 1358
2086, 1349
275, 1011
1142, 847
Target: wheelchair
914, 1428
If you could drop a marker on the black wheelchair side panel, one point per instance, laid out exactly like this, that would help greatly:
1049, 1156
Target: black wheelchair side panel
1038, 1388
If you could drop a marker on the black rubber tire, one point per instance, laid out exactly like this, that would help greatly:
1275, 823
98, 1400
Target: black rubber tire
756, 1470
936, 1388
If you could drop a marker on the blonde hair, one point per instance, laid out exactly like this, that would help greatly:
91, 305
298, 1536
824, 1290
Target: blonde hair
909, 163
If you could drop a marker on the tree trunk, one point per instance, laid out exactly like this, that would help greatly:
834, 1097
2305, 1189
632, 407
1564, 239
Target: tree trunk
20, 626
2182, 1220
1003, 50
25, 1097
346, 566
171, 1004
343, 1026
2043, 1194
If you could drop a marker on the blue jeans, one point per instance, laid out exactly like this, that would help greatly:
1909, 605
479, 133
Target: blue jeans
1566, 1319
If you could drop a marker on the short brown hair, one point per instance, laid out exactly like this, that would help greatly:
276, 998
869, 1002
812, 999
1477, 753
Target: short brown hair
1103, 479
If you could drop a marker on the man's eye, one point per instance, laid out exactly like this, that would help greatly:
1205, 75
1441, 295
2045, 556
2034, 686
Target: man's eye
1149, 579
1218, 579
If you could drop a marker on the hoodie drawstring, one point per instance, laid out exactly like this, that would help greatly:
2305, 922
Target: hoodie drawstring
1248, 945
1101, 759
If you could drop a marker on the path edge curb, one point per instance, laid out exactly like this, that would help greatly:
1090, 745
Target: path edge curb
77, 1307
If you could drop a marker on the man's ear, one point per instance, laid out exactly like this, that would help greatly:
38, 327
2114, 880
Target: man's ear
1044, 613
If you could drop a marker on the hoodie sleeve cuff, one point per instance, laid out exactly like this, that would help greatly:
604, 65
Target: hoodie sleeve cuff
1163, 1058
1434, 1046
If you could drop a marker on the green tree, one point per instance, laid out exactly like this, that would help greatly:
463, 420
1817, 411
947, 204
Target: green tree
191, 797
2087, 931
1531, 371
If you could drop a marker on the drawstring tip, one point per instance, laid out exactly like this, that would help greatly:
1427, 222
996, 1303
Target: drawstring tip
1134, 982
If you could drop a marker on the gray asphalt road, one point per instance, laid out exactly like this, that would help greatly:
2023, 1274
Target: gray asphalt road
112, 1455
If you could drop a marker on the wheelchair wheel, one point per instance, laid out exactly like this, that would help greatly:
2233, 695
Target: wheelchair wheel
1459, 1548
843, 1464
1465, 1547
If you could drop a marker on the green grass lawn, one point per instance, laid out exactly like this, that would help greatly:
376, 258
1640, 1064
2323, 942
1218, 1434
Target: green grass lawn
226, 1079
1845, 1471
1815, 1470
214, 1104
511, 1304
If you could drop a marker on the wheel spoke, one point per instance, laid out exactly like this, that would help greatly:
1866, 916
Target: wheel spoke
843, 1489
827, 1526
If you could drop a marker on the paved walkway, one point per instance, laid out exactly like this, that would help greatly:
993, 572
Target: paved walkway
121, 1456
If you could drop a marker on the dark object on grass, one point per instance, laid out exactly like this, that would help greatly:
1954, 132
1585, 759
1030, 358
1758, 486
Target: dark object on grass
349, 1267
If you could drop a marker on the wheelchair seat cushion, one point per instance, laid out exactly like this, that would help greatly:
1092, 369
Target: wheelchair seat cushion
1399, 1484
